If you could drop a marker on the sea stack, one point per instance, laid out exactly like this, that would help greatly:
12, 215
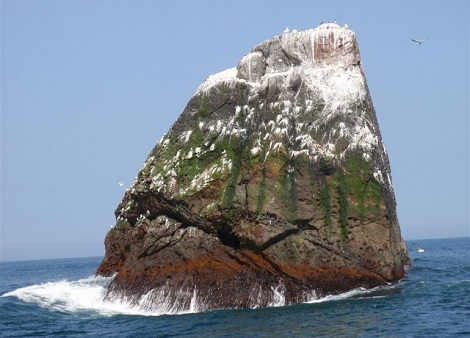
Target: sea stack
273, 187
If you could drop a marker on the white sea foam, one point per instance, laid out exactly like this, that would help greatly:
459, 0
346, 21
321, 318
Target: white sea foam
76, 296
359, 293
279, 298
338, 297
66, 296
88, 295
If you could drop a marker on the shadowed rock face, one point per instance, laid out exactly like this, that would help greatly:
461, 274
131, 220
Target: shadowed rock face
273, 187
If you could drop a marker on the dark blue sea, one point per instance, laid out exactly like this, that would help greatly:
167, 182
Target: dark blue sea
63, 298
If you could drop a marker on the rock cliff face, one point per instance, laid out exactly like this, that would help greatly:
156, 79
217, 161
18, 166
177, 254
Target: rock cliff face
273, 187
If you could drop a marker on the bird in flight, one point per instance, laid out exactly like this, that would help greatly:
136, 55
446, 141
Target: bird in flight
420, 249
419, 42
121, 183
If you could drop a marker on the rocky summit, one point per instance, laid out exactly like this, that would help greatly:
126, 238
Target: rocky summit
273, 187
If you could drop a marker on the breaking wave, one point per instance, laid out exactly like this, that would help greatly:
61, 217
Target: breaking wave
88, 295
74, 296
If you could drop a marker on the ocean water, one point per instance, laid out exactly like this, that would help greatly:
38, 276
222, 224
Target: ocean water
63, 298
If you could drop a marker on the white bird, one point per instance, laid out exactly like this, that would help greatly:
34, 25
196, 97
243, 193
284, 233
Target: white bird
121, 183
240, 131
419, 42
420, 249
286, 30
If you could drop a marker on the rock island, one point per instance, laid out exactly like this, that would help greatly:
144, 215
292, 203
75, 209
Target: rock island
273, 187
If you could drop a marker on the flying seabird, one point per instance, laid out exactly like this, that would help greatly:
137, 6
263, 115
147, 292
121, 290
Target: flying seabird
419, 42
420, 249
121, 183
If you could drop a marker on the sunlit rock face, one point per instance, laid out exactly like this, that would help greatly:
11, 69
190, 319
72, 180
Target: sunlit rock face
273, 187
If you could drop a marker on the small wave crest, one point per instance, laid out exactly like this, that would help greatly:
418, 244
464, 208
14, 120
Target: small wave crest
359, 293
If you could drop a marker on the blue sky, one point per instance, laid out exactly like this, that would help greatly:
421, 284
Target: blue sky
89, 87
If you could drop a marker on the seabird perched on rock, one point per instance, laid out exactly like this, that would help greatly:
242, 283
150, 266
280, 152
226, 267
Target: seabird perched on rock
286, 30
240, 131
419, 42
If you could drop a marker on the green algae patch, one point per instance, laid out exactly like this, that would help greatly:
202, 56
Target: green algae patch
363, 189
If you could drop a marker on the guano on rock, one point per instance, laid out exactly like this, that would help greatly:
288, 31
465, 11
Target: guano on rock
272, 187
